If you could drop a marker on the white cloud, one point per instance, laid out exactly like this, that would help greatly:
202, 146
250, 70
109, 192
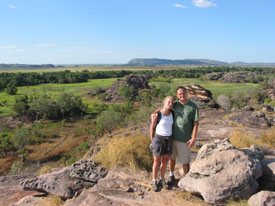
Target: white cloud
180, 6
12, 6
203, 3
46, 45
11, 46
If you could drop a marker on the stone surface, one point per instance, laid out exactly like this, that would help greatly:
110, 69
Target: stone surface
10, 191
124, 187
57, 183
30, 201
87, 170
262, 198
221, 171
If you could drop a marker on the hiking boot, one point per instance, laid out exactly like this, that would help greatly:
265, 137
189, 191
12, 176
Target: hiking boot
154, 186
163, 184
171, 180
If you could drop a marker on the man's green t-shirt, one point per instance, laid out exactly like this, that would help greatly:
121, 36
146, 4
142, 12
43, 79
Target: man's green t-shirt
185, 116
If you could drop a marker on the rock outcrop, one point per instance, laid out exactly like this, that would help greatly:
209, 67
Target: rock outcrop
201, 96
134, 82
87, 170
67, 181
221, 171
238, 77
214, 75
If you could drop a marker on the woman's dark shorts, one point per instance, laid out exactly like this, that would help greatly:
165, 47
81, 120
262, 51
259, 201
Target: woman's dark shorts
162, 145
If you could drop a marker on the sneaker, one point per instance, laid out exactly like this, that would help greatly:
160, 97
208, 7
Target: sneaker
163, 184
171, 180
154, 186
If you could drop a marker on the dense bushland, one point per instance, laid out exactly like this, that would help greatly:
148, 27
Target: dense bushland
37, 107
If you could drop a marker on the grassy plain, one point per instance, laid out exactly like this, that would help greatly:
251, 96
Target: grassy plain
53, 90
80, 89
215, 87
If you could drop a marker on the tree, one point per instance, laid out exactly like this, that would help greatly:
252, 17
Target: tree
11, 89
109, 120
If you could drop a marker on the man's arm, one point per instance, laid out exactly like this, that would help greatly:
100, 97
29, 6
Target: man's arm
192, 141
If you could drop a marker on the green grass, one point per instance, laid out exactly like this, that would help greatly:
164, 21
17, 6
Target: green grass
215, 87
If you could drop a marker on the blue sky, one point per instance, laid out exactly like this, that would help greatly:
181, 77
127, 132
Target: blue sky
115, 31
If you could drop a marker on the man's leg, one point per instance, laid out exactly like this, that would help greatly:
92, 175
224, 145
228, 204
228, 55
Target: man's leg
172, 164
186, 168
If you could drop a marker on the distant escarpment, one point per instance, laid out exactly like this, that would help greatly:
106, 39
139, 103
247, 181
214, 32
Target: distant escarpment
191, 62
156, 61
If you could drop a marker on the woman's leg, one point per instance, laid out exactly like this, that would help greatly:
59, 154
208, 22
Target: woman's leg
164, 160
156, 166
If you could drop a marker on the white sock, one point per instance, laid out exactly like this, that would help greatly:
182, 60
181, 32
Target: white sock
171, 173
154, 180
162, 178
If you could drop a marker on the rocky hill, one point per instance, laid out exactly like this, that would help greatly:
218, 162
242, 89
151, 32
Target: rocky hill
195, 62
156, 61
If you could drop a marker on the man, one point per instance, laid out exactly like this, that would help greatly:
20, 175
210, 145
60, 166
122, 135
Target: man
185, 130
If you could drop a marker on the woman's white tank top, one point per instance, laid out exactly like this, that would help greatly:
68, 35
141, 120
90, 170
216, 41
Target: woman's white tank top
164, 127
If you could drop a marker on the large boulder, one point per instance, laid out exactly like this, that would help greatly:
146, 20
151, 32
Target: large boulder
214, 75
224, 101
262, 198
67, 181
221, 171
201, 96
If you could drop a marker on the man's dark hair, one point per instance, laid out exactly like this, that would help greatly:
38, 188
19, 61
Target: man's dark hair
180, 87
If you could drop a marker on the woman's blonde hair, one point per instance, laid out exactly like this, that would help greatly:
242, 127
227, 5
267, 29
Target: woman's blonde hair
168, 98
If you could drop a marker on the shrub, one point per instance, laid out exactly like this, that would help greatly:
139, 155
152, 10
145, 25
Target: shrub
109, 120
11, 89
71, 106
21, 138
267, 100
21, 105
102, 96
83, 147
126, 92
128, 152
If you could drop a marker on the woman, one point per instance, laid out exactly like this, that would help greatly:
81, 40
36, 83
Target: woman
161, 136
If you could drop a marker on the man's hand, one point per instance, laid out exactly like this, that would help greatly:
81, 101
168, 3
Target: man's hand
191, 142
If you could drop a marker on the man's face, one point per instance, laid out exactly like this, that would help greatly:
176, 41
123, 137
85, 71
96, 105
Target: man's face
181, 94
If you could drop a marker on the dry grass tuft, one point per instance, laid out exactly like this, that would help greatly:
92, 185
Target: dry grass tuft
131, 152
52, 200
268, 138
240, 138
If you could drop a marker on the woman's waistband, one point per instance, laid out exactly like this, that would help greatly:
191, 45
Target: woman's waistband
163, 137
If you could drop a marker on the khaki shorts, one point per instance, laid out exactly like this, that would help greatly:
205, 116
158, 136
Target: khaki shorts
181, 151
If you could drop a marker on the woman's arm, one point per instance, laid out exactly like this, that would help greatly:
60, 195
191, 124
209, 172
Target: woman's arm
154, 119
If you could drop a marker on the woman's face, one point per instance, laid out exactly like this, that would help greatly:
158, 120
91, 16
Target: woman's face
168, 104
